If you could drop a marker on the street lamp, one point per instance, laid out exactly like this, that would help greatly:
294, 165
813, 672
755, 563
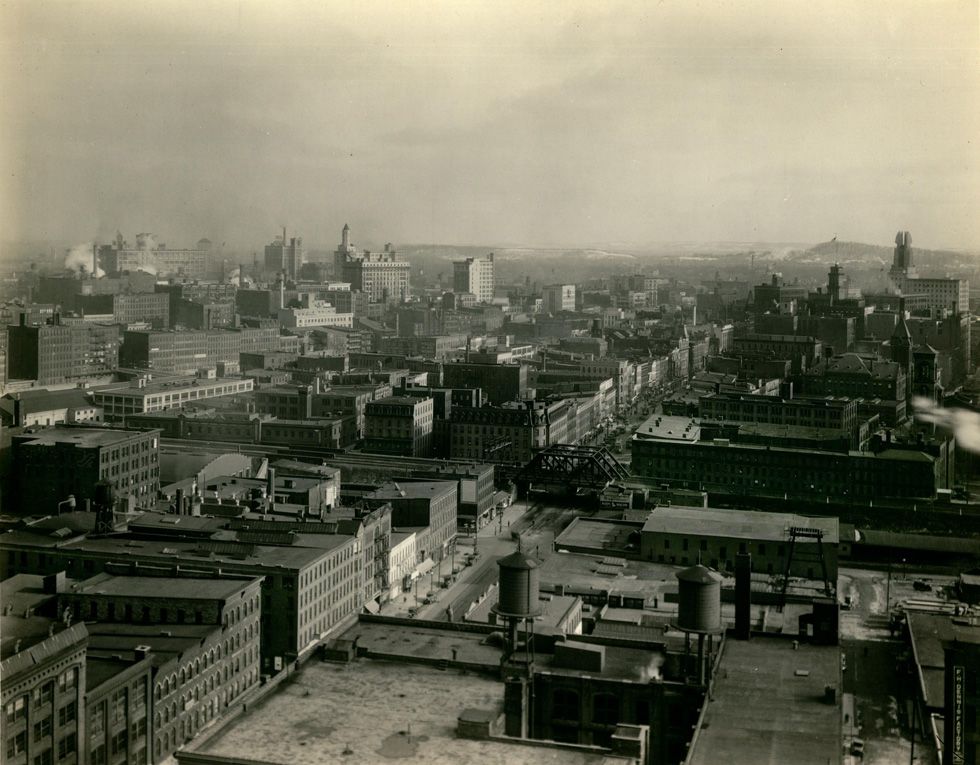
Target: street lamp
70, 502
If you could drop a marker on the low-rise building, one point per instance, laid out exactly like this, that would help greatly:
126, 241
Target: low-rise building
686, 535
140, 396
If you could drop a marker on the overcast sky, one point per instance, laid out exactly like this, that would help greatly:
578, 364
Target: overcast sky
558, 123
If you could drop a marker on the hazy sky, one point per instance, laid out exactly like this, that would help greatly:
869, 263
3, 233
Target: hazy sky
563, 123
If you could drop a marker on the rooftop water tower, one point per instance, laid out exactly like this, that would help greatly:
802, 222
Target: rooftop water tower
518, 603
699, 612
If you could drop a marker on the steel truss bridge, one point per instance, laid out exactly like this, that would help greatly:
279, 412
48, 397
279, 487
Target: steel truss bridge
571, 468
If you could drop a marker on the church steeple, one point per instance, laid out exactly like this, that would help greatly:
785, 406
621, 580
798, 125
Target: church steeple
901, 341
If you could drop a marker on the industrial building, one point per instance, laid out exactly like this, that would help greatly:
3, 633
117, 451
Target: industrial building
890, 470
58, 353
684, 535
142, 397
42, 660
58, 467
186, 352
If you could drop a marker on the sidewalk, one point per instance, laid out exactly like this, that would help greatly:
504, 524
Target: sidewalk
490, 546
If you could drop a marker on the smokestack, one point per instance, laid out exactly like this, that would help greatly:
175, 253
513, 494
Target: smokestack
179, 501
743, 595
271, 478
95, 260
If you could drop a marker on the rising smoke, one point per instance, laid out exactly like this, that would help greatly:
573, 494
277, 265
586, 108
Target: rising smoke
963, 423
79, 260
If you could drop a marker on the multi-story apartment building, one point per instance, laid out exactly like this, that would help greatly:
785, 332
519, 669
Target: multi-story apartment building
381, 275
188, 351
54, 463
475, 276
399, 425
141, 397
61, 353
42, 662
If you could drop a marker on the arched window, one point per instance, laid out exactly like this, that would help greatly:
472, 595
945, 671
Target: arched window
565, 704
605, 708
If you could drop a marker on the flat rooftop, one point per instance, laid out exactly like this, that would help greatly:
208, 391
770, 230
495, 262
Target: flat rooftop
413, 490
161, 587
763, 709
598, 535
666, 427
376, 711
170, 386
738, 524
928, 631
80, 436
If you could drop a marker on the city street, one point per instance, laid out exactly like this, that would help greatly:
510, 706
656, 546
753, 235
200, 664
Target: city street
494, 541
874, 665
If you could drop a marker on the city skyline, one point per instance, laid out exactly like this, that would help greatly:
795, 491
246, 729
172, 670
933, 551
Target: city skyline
538, 125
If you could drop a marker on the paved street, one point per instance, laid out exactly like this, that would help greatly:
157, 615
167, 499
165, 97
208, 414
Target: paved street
875, 671
494, 541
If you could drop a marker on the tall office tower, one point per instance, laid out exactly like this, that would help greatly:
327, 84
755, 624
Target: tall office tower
380, 275
475, 275
902, 262
285, 256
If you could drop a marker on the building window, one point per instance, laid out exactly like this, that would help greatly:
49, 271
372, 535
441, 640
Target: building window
67, 714
42, 728
67, 746
67, 679
17, 744
16, 709
44, 694
605, 708
565, 704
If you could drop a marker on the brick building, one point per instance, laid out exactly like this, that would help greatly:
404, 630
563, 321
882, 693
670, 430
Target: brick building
42, 662
61, 353
429, 508
56, 462
399, 425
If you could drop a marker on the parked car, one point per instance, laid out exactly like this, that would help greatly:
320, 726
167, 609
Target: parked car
857, 748
921, 586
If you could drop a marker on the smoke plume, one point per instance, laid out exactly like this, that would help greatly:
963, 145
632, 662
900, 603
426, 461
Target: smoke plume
79, 260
